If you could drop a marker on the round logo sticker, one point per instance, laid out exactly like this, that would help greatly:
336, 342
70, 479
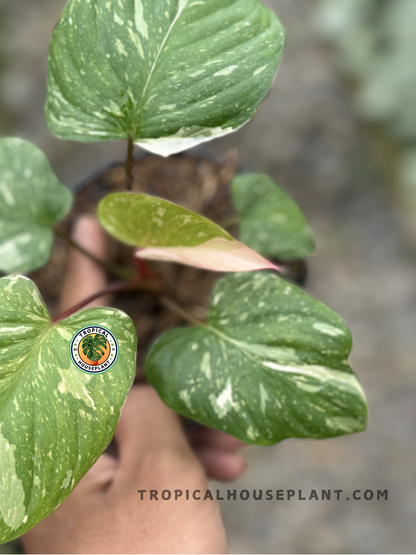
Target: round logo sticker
94, 350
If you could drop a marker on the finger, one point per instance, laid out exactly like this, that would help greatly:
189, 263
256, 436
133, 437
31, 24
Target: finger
101, 475
221, 441
220, 466
98, 478
146, 426
83, 276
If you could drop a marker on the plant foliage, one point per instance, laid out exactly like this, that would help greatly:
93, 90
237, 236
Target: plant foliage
55, 420
168, 74
270, 363
271, 223
166, 231
31, 201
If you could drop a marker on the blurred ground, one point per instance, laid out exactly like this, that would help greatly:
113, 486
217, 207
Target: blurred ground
307, 137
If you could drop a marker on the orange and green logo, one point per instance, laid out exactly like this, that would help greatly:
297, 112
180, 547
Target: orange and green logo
94, 350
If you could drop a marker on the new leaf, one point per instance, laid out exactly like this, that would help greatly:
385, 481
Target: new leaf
270, 363
165, 231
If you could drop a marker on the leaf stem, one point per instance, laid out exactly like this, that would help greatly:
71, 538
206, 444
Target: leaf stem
129, 165
174, 307
117, 287
116, 271
145, 270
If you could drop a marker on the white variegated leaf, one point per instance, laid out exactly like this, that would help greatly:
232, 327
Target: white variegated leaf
270, 363
168, 73
55, 420
31, 201
271, 223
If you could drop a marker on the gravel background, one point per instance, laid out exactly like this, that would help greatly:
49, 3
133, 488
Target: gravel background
308, 138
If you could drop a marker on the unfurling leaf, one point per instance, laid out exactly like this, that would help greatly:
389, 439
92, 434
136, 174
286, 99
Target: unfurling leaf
271, 223
270, 363
55, 419
169, 73
31, 201
166, 231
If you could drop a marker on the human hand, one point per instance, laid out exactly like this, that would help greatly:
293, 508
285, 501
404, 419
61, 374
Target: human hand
105, 514
216, 451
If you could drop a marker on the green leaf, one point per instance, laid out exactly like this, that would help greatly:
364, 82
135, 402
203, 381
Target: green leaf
270, 363
168, 73
55, 420
271, 222
166, 231
31, 201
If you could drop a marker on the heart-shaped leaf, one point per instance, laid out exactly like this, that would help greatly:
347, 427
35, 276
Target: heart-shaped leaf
55, 420
166, 231
31, 201
168, 73
270, 363
271, 222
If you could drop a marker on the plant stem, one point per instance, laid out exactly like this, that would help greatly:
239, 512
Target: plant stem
117, 287
121, 286
116, 271
129, 165
174, 307
145, 270
113, 288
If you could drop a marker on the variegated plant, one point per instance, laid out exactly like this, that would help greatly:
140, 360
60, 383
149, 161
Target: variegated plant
269, 363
